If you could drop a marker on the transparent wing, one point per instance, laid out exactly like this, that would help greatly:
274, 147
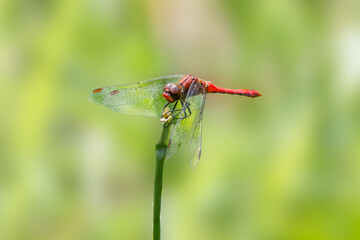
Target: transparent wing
195, 138
194, 101
143, 98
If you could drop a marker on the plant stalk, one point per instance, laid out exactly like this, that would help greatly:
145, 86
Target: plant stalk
160, 150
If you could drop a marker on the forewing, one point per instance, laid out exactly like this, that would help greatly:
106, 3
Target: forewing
195, 138
195, 100
143, 98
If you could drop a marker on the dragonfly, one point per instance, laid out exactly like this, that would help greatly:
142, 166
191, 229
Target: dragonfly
178, 100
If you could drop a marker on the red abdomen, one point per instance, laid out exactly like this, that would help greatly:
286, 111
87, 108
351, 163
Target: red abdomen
211, 88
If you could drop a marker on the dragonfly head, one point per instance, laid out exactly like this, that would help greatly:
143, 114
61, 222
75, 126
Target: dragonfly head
171, 92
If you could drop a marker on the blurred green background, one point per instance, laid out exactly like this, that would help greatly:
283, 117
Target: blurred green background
283, 166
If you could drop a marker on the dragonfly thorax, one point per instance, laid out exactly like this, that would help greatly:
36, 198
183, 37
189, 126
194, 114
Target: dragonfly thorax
172, 92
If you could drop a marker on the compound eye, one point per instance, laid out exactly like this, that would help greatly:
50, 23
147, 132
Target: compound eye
167, 86
174, 89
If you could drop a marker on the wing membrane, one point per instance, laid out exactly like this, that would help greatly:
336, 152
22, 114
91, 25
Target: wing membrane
143, 98
195, 100
196, 138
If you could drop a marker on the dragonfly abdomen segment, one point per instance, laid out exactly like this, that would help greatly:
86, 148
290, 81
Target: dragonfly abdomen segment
211, 88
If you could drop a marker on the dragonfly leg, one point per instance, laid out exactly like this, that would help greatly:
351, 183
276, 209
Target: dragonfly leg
169, 113
182, 107
175, 117
175, 105
162, 110
172, 111
187, 106
179, 110
177, 114
174, 108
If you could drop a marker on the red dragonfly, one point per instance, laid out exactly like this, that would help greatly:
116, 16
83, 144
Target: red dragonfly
178, 99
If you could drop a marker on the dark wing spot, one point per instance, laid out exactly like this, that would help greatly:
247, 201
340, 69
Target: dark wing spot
97, 90
114, 92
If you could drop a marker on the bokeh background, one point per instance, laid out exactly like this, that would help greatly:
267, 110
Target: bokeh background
283, 166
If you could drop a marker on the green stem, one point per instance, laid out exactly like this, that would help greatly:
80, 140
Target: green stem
161, 148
